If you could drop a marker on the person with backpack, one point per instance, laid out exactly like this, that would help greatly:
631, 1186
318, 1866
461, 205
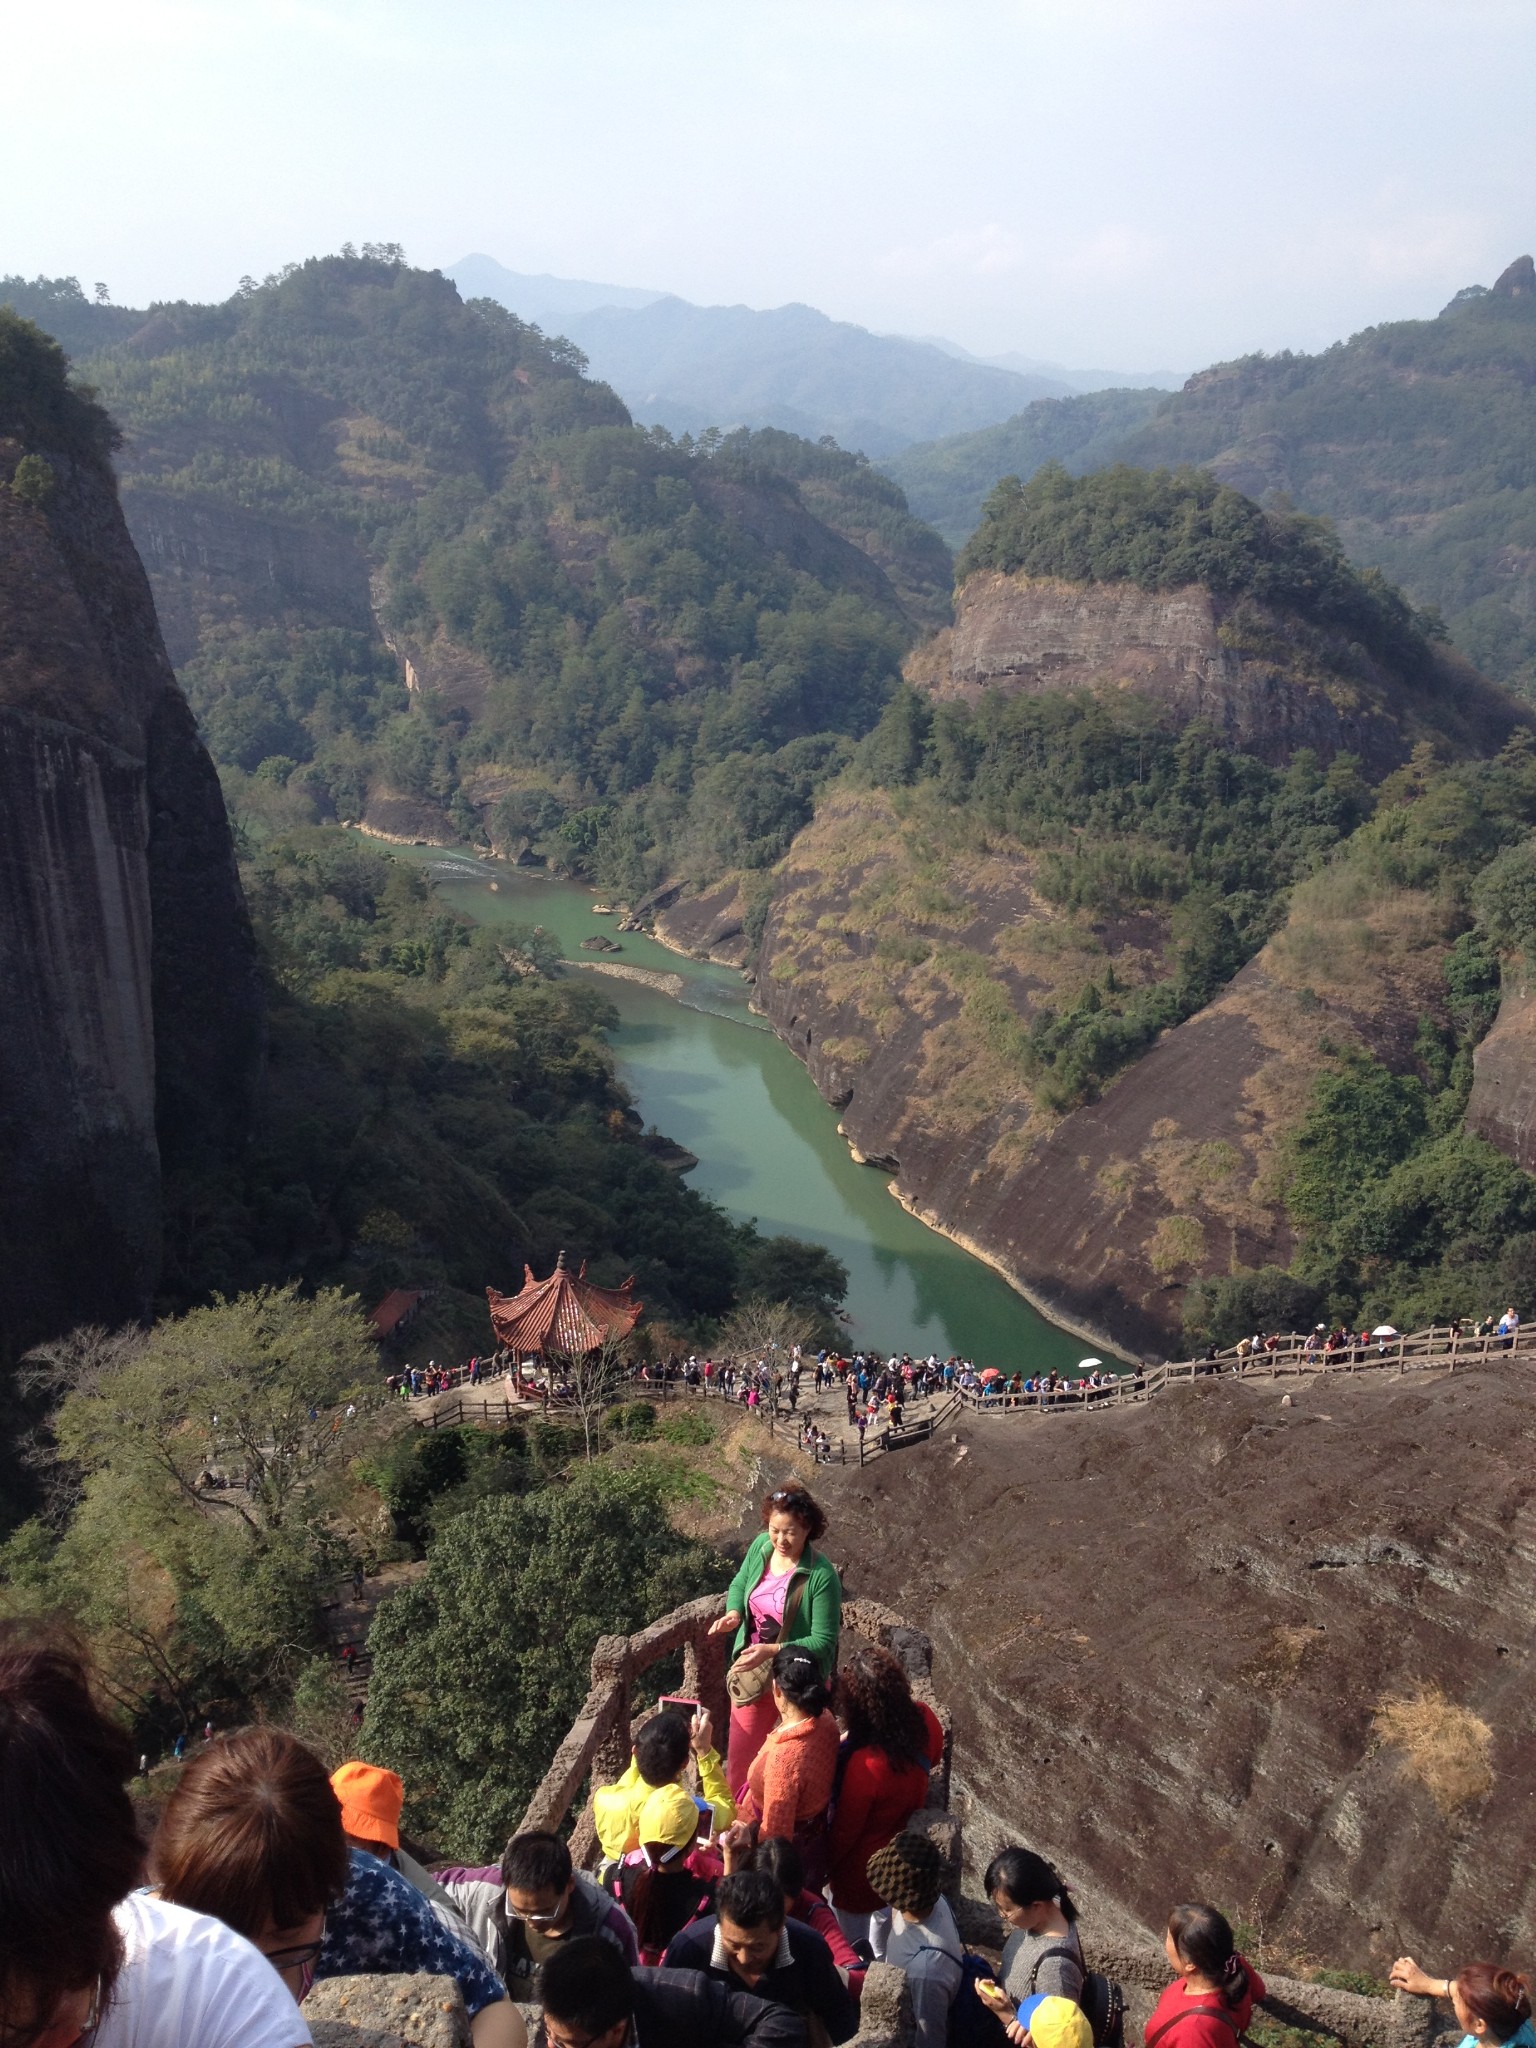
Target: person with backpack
907, 1875
1043, 1952
1211, 1999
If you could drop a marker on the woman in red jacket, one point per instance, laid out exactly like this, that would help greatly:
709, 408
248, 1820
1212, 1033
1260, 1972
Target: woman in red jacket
1211, 1999
882, 1779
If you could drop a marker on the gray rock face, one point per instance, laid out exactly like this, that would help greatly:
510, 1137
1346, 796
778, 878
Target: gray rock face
128, 971
387, 2012
1502, 1106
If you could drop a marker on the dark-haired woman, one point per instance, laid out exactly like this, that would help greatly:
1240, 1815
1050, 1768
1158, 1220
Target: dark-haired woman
790, 1782
1213, 1993
82, 1953
1043, 1952
252, 1834
785, 1592
1491, 2005
891, 1744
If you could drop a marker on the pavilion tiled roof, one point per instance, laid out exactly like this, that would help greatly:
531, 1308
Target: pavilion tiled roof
567, 1312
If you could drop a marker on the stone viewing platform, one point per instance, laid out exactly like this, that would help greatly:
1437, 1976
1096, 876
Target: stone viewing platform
596, 1750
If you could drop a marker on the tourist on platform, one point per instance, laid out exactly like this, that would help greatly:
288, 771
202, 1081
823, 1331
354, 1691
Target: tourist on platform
1492, 2005
591, 2000
1043, 1952
891, 1743
670, 1878
781, 1860
660, 1757
790, 1780
924, 1941
83, 1955
372, 1801
785, 1592
252, 1834
1211, 2000
523, 1908
749, 1944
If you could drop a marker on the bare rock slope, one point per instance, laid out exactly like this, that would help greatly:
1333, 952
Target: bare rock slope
1217, 1647
902, 959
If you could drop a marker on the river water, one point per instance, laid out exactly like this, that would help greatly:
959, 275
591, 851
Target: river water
703, 1069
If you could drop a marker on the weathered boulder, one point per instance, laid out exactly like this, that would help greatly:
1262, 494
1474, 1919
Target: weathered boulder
387, 2012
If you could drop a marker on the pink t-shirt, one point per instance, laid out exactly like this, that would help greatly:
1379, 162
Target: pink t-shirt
766, 1601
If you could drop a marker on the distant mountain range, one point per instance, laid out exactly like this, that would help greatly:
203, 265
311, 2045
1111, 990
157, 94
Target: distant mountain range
688, 367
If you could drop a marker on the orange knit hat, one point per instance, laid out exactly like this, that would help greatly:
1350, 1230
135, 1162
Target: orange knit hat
371, 1800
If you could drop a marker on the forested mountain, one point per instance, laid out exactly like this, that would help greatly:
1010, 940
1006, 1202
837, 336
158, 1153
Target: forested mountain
413, 566
950, 479
1418, 439
377, 1094
694, 367
1151, 936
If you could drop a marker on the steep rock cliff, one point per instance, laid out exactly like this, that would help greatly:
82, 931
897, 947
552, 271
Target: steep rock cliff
1502, 1107
1262, 680
130, 985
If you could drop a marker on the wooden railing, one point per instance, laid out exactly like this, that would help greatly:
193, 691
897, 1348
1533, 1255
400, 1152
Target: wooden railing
1419, 1351
597, 1745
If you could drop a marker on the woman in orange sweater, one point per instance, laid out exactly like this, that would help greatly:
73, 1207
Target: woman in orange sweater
790, 1780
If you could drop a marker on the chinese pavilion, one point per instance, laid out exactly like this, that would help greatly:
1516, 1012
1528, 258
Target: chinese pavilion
567, 1312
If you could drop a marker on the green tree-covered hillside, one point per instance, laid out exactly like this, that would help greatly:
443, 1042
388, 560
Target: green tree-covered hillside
1416, 438
345, 480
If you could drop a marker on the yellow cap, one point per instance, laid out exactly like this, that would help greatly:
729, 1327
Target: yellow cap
669, 1817
1060, 2023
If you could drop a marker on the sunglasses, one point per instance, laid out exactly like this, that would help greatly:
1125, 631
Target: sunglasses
528, 1919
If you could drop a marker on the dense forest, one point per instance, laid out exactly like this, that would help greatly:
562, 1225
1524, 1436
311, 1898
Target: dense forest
626, 642
1416, 438
440, 1105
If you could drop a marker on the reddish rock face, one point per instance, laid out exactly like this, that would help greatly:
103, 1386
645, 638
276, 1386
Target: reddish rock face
1166, 1635
1264, 683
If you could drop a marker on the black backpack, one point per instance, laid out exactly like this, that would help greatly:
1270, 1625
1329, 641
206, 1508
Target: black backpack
1102, 2000
972, 2024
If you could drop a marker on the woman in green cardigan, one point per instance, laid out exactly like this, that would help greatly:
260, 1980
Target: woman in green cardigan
785, 1592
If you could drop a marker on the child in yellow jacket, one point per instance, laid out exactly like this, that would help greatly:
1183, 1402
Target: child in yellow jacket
660, 1758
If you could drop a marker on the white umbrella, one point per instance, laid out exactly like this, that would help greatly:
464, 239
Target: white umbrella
1083, 1364
1384, 1330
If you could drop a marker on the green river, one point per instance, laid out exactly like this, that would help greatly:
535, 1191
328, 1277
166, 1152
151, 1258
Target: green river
703, 1069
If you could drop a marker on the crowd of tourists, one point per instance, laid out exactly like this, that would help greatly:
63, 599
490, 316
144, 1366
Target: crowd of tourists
739, 1899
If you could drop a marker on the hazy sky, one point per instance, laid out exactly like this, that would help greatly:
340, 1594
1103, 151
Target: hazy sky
1112, 183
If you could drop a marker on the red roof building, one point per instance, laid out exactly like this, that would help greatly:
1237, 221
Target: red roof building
566, 1312
395, 1311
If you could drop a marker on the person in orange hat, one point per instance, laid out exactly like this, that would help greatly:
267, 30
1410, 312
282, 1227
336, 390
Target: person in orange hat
372, 1801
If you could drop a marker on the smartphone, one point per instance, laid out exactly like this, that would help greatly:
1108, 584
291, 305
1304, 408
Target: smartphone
688, 1708
705, 1832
